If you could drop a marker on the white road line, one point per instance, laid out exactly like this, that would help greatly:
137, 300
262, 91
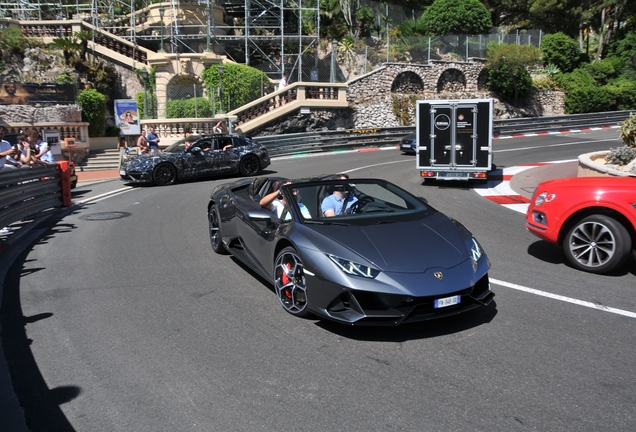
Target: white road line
564, 299
104, 195
547, 146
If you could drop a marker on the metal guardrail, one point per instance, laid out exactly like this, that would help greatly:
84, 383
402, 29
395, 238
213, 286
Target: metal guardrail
316, 142
549, 123
26, 192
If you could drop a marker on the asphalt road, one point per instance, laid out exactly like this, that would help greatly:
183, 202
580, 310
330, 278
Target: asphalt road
127, 321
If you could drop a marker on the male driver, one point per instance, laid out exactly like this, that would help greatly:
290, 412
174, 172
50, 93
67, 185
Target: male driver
340, 201
153, 140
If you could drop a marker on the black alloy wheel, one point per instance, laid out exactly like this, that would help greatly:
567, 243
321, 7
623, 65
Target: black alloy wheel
164, 174
249, 165
216, 237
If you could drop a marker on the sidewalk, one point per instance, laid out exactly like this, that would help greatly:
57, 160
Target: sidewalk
91, 176
525, 182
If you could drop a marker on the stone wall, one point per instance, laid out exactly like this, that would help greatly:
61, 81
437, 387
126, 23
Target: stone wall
19, 114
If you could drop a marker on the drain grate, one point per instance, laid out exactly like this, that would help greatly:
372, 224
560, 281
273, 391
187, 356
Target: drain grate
105, 216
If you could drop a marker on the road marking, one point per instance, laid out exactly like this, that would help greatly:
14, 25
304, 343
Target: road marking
104, 195
545, 146
564, 299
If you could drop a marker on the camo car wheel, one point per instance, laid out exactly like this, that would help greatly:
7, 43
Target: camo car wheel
164, 174
249, 165
289, 281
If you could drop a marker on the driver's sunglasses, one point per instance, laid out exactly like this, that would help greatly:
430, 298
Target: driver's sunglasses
295, 191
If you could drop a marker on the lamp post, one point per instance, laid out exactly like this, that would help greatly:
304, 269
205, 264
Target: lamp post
144, 76
221, 70
332, 71
207, 33
162, 11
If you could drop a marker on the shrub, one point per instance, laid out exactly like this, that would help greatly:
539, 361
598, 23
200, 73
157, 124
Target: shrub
628, 131
185, 108
544, 84
12, 41
589, 99
560, 50
575, 79
625, 92
93, 105
621, 156
112, 131
500, 81
603, 70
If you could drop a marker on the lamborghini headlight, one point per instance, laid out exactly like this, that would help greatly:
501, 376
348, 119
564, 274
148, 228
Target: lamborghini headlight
353, 268
475, 251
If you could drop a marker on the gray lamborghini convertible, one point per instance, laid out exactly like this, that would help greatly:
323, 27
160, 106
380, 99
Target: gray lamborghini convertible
385, 258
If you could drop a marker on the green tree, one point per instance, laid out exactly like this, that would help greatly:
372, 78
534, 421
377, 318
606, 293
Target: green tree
454, 17
560, 50
93, 105
241, 84
554, 16
508, 69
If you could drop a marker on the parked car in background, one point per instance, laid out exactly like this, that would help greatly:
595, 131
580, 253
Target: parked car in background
389, 258
593, 219
197, 156
408, 144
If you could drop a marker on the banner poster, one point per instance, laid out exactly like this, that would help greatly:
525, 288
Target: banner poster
12, 93
52, 138
127, 116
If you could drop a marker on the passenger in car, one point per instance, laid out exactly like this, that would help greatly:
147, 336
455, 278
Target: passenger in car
275, 200
340, 201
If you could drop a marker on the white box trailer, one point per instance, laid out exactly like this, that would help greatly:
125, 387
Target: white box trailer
454, 138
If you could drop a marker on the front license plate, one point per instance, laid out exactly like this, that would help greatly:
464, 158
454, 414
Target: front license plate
122, 172
448, 301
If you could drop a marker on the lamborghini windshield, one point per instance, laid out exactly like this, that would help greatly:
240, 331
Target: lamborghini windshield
354, 201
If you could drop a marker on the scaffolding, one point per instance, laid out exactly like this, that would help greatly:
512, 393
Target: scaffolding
278, 37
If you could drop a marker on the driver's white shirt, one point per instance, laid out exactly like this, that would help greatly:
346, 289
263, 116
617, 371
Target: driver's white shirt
278, 207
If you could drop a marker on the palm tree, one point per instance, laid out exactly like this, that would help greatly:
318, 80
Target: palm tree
83, 37
68, 45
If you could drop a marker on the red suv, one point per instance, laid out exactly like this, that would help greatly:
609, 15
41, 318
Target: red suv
593, 219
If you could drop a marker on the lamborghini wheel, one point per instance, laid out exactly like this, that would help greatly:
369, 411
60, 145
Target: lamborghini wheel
289, 281
216, 237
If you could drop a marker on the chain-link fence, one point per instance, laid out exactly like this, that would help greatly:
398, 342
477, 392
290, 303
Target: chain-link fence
340, 62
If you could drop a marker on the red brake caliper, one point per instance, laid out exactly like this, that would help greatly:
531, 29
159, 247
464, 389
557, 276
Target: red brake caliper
285, 280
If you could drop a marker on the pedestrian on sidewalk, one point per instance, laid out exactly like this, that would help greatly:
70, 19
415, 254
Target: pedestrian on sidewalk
123, 143
153, 140
142, 143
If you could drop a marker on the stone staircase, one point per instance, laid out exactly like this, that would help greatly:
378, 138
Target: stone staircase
101, 160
